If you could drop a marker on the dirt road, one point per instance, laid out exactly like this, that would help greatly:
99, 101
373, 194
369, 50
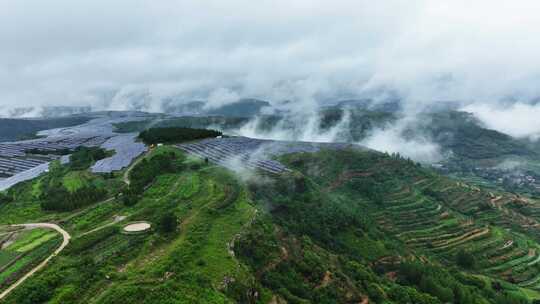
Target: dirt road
138, 160
65, 242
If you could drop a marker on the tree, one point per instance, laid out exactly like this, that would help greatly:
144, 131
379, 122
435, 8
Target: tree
5, 198
465, 259
167, 222
129, 198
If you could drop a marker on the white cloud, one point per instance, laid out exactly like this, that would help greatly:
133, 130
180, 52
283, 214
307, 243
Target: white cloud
391, 139
220, 97
518, 119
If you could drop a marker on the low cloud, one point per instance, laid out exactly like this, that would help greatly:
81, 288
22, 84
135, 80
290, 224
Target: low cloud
298, 127
393, 139
518, 120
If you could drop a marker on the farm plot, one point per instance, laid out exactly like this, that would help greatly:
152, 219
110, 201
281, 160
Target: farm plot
24, 251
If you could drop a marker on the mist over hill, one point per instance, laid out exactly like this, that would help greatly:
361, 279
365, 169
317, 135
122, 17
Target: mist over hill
269, 152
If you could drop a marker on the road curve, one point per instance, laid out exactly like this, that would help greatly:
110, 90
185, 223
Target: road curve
133, 164
65, 242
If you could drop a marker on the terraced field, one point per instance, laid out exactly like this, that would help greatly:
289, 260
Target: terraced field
464, 218
21, 250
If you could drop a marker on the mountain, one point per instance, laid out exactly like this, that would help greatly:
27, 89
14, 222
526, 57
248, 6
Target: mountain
16, 129
346, 225
240, 108
390, 105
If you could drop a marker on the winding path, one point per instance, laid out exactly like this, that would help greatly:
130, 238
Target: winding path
65, 242
133, 164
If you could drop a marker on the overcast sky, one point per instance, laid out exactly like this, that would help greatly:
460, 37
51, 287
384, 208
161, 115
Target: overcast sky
102, 53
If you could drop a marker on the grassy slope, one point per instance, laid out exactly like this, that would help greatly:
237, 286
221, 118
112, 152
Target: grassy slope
190, 264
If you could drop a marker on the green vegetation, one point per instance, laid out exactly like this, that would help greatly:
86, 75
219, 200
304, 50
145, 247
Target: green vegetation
83, 157
48, 152
28, 240
63, 189
188, 265
343, 227
146, 171
5, 198
6, 257
167, 222
175, 135
71, 187
25, 250
465, 259
75, 180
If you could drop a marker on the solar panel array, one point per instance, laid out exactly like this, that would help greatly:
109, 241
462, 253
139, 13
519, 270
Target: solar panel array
17, 165
23, 176
126, 150
15, 156
234, 152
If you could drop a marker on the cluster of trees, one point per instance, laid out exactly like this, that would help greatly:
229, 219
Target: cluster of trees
452, 286
60, 199
55, 196
292, 198
48, 152
84, 157
5, 198
167, 222
370, 189
175, 135
465, 259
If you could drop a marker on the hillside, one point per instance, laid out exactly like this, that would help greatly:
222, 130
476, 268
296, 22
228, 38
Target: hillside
347, 226
17, 129
468, 149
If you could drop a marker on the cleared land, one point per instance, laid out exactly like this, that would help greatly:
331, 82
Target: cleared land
137, 227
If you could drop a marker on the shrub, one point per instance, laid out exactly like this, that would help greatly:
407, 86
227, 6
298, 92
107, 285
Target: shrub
465, 259
167, 223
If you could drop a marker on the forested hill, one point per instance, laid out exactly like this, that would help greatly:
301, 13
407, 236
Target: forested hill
344, 226
16, 129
